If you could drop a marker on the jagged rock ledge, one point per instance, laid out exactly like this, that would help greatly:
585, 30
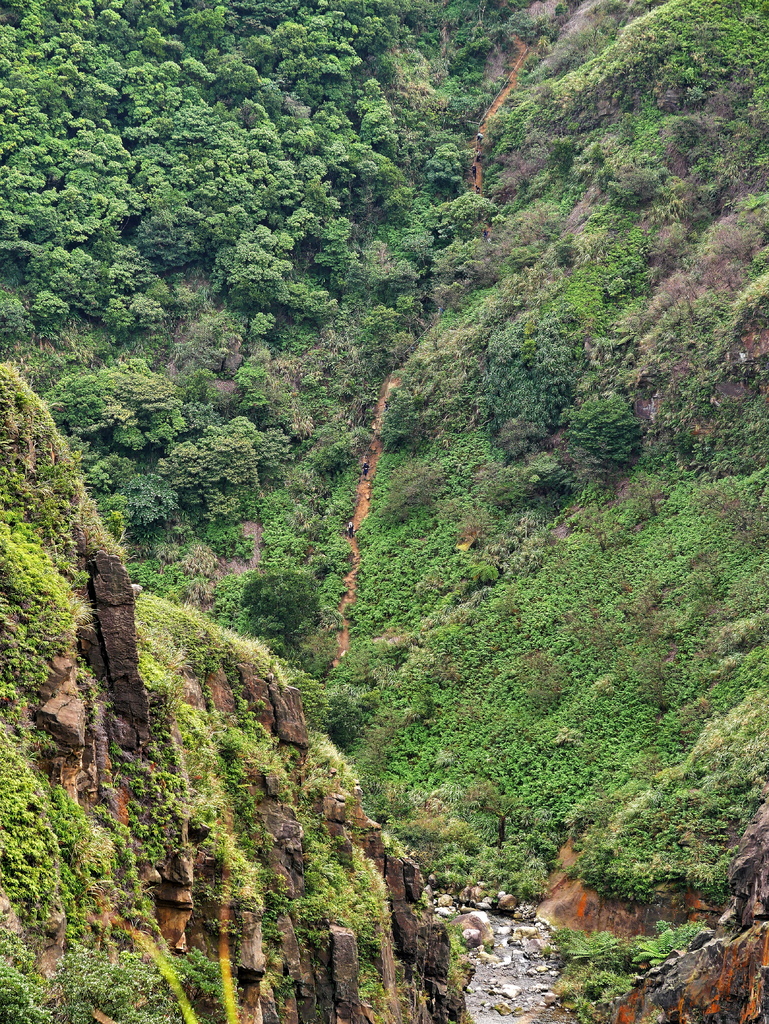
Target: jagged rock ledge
96, 697
723, 977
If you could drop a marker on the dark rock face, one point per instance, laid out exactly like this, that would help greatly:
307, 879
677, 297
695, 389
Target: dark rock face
723, 977
289, 716
287, 855
723, 981
749, 871
422, 944
221, 692
321, 984
114, 656
252, 963
64, 718
173, 909
257, 693
62, 677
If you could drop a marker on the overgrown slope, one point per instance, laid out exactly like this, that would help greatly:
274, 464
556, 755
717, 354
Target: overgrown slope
158, 789
241, 222
564, 574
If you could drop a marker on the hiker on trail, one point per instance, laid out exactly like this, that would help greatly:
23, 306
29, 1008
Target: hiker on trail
479, 138
485, 234
351, 529
475, 171
365, 469
478, 189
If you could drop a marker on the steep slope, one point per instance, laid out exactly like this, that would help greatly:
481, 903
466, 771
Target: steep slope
553, 634
158, 777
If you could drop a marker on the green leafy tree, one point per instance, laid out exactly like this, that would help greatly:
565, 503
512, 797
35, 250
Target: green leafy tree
412, 486
444, 170
216, 475
19, 1000
605, 429
281, 604
150, 502
531, 371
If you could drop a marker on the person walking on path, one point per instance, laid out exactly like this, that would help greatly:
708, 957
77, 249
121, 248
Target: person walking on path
365, 470
350, 529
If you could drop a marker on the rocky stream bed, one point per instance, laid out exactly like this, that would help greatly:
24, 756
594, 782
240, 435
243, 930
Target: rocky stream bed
515, 976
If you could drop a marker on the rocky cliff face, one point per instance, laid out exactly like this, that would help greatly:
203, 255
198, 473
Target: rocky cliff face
307, 984
724, 975
191, 780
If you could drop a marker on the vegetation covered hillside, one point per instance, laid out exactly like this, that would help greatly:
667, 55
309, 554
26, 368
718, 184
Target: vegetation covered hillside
559, 628
220, 223
159, 794
227, 226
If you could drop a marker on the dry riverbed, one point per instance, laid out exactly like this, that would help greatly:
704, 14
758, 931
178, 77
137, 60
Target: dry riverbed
515, 978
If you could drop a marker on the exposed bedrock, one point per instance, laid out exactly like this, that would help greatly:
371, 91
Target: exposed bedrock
723, 976
100, 699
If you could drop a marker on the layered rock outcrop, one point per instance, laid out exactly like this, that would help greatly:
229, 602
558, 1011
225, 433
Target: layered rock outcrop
723, 976
572, 904
99, 698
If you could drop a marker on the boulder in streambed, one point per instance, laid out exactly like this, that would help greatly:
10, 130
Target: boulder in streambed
510, 991
472, 937
477, 920
533, 946
507, 903
503, 1009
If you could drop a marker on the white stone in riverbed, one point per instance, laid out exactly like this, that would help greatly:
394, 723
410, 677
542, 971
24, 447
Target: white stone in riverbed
511, 991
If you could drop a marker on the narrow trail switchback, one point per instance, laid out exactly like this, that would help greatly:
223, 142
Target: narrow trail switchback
476, 175
362, 506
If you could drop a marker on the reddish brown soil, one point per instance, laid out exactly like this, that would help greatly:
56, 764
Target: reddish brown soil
512, 81
363, 495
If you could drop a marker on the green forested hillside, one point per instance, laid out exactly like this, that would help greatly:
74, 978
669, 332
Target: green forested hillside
572, 672
219, 230
224, 226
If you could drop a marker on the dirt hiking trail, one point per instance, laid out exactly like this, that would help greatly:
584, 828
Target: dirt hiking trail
362, 506
476, 171
365, 484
